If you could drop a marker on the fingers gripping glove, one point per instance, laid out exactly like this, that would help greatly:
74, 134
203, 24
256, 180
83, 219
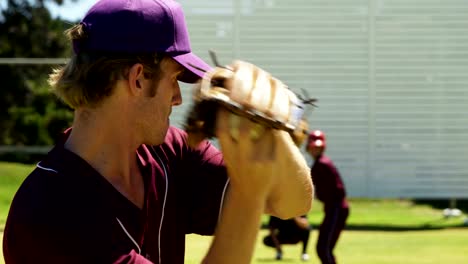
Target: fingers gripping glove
247, 91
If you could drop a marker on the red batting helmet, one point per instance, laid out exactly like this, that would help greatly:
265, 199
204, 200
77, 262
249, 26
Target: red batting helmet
316, 139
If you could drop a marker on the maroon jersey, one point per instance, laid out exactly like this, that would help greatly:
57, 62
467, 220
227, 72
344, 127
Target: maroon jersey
66, 212
329, 187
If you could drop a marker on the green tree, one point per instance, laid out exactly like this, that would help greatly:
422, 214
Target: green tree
29, 114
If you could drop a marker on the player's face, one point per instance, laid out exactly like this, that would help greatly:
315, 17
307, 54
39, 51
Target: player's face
159, 107
315, 151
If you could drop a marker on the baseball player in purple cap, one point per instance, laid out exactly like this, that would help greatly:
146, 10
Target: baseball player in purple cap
122, 185
331, 191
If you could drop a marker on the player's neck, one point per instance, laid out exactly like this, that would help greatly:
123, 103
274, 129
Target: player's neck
105, 143
108, 146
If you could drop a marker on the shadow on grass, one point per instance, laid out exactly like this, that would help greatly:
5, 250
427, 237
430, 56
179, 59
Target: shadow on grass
431, 225
390, 228
461, 204
284, 260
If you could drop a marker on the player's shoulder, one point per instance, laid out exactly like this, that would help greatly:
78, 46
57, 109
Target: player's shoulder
325, 160
29, 189
41, 183
40, 194
328, 164
52, 190
59, 206
173, 147
175, 136
177, 143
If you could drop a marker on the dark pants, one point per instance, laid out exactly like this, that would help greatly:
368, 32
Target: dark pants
330, 229
285, 238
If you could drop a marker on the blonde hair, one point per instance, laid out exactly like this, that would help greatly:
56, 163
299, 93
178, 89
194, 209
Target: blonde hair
90, 77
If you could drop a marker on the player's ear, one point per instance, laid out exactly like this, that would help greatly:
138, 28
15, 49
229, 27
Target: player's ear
136, 78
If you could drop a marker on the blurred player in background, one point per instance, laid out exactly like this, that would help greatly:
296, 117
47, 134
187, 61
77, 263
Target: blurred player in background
288, 232
331, 191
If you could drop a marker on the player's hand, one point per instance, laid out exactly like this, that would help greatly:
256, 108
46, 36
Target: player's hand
250, 154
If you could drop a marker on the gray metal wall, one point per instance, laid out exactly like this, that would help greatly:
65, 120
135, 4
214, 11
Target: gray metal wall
391, 78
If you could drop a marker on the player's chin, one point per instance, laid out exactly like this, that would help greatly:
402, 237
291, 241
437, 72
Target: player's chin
162, 135
156, 141
157, 137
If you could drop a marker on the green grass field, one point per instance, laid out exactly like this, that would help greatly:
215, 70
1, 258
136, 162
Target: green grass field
11, 176
378, 231
365, 247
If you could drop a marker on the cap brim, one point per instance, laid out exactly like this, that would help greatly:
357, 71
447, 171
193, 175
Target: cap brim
195, 67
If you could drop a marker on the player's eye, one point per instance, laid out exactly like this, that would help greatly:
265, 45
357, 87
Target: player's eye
179, 75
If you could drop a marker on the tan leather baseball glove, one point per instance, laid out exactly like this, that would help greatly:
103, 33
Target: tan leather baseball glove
247, 91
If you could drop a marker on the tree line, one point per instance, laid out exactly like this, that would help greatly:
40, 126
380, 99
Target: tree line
29, 113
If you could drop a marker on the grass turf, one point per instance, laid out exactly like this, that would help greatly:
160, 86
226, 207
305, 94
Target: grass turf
378, 231
364, 247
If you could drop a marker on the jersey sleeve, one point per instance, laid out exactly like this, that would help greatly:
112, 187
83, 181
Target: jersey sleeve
201, 181
208, 184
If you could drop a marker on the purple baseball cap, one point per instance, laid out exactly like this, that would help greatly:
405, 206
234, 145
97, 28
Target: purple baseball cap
140, 26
